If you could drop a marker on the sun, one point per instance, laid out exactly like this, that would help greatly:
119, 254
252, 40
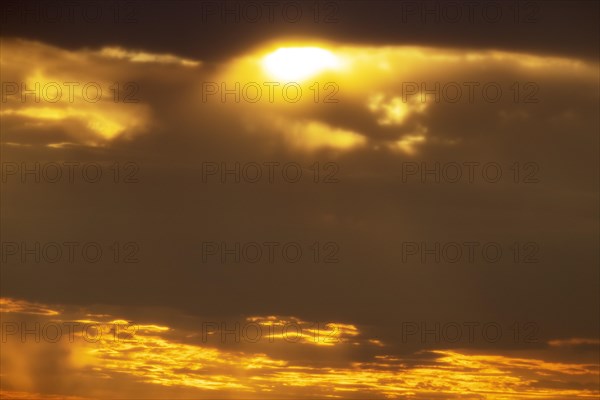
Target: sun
299, 63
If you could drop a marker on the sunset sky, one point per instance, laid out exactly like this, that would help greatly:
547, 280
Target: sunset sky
299, 200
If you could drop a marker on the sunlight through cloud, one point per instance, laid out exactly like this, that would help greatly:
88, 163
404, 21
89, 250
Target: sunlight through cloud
299, 63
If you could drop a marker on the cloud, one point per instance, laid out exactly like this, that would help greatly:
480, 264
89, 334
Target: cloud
160, 356
144, 57
389, 113
391, 97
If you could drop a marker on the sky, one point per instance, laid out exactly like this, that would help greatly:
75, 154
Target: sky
299, 200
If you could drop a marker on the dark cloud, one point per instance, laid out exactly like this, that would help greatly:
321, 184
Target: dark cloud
360, 220
368, 213
214, 30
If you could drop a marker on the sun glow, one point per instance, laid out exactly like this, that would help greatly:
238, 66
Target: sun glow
299, 63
